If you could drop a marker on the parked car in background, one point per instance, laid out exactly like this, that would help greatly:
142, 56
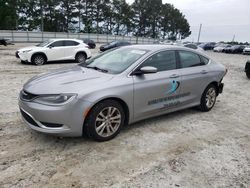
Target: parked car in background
193, 46
234, 49
90, 43
5, 41
208, 46
246, 50
114, 44
247, 68
55, 50
119, 87
221, 47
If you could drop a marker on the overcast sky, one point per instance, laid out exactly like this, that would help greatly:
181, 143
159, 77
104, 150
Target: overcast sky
221, 19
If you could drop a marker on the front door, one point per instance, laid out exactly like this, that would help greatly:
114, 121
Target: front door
56, 51
155, 93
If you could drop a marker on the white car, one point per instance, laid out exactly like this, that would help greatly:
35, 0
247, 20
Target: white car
221, 47
246, 50
55, 50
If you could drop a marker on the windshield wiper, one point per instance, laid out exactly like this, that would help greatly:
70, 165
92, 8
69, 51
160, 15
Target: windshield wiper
97, 68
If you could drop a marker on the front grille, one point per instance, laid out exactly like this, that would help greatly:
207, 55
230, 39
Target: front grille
52, 125
24, 95
28, 118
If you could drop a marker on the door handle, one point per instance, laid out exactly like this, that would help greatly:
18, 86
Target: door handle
204, 72
174, 76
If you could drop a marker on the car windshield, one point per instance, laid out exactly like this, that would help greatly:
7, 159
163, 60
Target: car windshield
112, 43
44, 43
115, 61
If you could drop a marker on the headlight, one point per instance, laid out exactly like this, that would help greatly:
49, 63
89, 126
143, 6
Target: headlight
55, 99
26, 51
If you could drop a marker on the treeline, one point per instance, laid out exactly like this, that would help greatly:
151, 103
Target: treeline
143, 18
235, 43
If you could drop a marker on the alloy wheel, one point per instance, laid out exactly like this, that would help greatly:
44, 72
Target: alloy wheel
108, 121
210, 97
39, 60
80, 58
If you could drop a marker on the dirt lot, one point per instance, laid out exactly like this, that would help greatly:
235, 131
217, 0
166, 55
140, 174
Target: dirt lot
182, 149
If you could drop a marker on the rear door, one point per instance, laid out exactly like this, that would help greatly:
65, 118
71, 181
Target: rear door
70, 48
195, 76
155, 93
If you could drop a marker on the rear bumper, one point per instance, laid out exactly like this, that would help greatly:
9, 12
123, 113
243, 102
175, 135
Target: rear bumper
220, 88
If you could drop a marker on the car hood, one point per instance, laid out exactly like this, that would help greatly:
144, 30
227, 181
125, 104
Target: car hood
29, 48
67, 80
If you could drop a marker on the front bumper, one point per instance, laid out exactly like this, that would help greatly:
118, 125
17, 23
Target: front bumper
246, 52
65, 120
24, 56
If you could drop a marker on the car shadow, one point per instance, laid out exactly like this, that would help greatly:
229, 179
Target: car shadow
63, 141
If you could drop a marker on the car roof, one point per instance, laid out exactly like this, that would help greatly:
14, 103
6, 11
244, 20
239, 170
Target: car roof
156, 47
58, 39
159, 47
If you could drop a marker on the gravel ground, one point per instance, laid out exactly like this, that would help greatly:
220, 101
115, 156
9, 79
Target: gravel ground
183, 149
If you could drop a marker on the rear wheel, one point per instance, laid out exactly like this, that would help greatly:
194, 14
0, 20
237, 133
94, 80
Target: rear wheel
248, 73
104, 121
208, 98
80, 58
38, 59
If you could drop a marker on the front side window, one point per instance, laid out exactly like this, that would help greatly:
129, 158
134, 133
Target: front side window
57, 44
189, 59
163, 61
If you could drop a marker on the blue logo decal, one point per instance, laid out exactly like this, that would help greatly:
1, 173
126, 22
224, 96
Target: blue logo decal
174, 86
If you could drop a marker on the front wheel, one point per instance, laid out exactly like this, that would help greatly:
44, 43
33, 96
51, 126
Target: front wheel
38, 59
208, 98
104, 121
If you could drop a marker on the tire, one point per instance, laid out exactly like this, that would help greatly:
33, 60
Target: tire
208, 98
248, 73
80, 58
38, 59
98, 124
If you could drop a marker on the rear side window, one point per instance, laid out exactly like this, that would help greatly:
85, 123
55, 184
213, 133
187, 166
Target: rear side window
189, 59
163, 61
70, 43
204, 60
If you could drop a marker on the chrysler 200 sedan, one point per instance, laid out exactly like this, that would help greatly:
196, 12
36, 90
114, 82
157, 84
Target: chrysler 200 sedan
119, 87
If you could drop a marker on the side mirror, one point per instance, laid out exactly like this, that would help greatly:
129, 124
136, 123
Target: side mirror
146, 70
50, 46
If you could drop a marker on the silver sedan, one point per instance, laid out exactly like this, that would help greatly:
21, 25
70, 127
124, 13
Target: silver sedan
120, 87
